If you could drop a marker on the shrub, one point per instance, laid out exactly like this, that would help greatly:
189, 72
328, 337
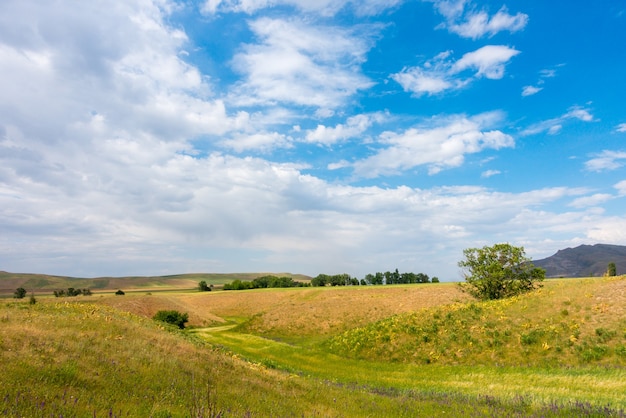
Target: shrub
120, 293
172, 317
20, 293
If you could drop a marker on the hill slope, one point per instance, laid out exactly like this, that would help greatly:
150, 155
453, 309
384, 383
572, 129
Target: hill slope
584, 261
43, 282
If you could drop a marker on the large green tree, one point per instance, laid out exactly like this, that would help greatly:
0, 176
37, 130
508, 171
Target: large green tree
499, 271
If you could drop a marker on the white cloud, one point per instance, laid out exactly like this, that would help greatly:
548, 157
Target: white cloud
441, 73
465, 21
439, 147
609, 230
554, 126
490, 173
259, 141
488, 61
419, 81
322, 7
530, 90
354, 126
621, 127
606, 160
592, 200
168, 213
543, 75
476, 25
621, 187
339, 165
547, 73
297, 63
108, 167
579, 113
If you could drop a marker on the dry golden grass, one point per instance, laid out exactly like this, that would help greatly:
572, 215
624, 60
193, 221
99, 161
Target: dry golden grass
293, 312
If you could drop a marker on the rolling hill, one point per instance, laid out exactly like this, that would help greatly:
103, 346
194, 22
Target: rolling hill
47, 283
584, 261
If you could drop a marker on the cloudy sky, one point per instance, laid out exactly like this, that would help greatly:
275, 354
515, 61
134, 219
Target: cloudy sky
309, 136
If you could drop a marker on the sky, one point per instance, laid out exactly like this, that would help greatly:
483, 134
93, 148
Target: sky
153, 137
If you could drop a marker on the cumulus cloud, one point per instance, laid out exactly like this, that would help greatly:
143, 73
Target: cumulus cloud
322, 7
610, 230
258, 141
488, 61
297, 63
606, 160
441, 73
463, 19
440, 146
621, 127
354, 126
118, 156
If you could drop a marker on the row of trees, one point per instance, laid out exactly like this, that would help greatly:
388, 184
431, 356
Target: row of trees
388, 277
263, 282
72, 292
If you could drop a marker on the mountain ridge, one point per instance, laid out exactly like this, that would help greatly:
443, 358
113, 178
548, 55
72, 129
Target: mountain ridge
584, 261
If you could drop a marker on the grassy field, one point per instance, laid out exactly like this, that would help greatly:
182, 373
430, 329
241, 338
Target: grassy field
413, 350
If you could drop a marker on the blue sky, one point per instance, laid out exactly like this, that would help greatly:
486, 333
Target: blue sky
158, 137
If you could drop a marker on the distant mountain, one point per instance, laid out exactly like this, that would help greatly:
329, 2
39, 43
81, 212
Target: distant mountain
584, 261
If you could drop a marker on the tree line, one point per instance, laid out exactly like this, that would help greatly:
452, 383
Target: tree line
344, 279
71, 292
378, 278
263, 282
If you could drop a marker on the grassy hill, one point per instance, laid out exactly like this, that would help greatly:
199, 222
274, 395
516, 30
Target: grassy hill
42, 283
406, 350
569, 322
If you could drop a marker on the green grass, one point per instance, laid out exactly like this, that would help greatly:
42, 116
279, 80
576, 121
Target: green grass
538, 385
70, 359
80, 357
524, 346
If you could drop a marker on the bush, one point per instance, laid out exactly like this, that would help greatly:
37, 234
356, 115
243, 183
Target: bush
20, 293
120, 293
172, 317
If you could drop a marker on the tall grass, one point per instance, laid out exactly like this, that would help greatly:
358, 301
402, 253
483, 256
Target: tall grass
84, 358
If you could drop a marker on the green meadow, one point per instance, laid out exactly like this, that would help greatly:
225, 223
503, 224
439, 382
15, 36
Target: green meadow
384, 351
